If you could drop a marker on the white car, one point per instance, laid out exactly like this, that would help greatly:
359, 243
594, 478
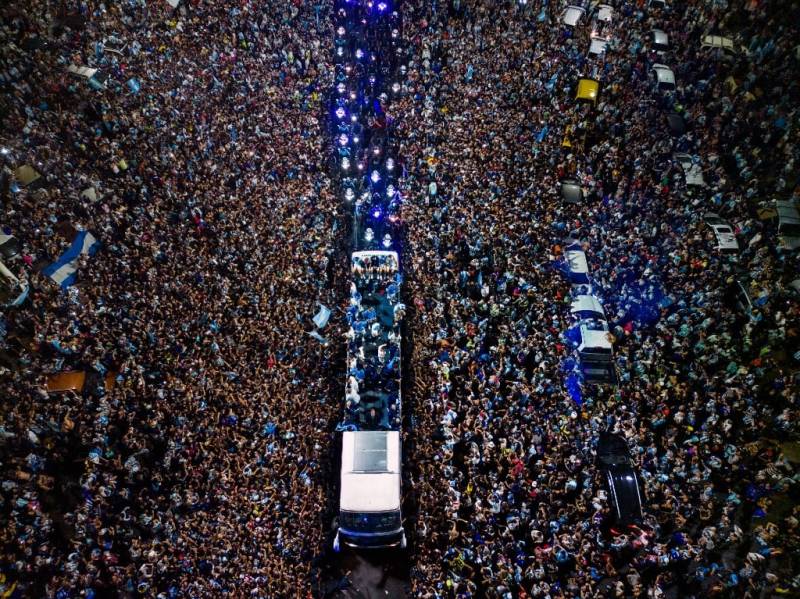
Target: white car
605, 13
664, 77
660, 40
726, 239
597, 46
692, 171
571, 15
601, 25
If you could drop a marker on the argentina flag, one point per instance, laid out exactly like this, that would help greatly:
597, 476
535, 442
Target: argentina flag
63, 270
322, 317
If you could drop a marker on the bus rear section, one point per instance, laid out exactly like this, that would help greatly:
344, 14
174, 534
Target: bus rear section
369, 500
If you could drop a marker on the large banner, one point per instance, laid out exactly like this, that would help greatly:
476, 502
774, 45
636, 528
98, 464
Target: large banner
63, 270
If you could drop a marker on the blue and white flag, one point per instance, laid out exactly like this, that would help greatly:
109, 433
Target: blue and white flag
22, 296
321, 319
133, 85
62, 271
318, 337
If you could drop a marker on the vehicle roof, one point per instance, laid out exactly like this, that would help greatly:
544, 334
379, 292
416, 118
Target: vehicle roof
660, 37
81, 71
591, 338
571, 191
612, 444
664, 74
597, 45
726, 239
625, 489
605, 12
717, 222
370, 471
7, 274
572, 15
787, 212
377, 402
576, 259
595, 323
676, 123
9, 246
587, 303
587, 89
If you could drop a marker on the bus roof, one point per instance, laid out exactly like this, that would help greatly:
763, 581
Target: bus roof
370, 471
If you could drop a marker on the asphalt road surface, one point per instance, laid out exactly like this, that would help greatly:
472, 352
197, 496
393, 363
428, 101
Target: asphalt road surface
370, 575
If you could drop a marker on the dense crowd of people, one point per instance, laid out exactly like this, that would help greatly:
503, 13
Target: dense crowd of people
200, 468
509, 500
195, 460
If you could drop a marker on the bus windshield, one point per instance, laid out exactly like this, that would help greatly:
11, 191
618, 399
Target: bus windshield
372, 393
370, 521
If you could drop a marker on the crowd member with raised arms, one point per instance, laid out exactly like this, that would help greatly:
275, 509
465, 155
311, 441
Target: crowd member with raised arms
193, 461
510, 501
203, 471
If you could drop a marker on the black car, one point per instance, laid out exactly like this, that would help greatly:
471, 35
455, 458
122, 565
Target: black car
614, 460
737, 297
676, 124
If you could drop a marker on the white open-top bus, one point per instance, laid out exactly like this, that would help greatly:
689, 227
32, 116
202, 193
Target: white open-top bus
370, 494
